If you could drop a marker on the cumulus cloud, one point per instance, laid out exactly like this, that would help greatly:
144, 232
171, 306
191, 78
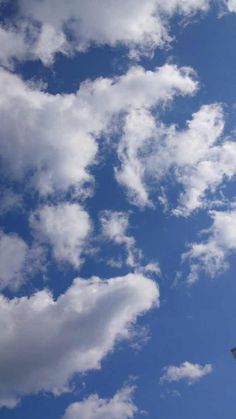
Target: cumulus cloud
120, 406
24, 41
40, 28
211, 254
186, 372
43, 341
46, 133
54, 137
197, 157
65, 227
18, 261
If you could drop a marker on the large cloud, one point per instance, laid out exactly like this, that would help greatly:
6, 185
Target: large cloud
196, 157
210, 255
65, 227
54, 137
139, 25
120, 406
43, 342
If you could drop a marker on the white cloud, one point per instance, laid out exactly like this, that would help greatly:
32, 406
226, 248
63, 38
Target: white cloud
56, 339
54, 136
12, 45
187, 372
13, 254
65, 227
152, 268
10, 201
47, 44
24, 41
211, 254
141, 26
196, 157
115, 225
114, 228
17, 260
139, 128
231, 4
120, 406
46, 134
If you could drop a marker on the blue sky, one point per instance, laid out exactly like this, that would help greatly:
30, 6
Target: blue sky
118, 209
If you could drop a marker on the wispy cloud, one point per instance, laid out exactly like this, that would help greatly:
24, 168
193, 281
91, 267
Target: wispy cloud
186, 372
210, 255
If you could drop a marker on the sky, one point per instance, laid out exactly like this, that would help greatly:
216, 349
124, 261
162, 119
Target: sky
118, 209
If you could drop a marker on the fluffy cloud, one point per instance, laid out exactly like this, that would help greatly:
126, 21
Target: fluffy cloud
25, 42
187, 372
17, 260
198, 158
57, 144
119, 407
46, 133
54, 136
65, 227
211, 255
41, 26
12, 45
44, 342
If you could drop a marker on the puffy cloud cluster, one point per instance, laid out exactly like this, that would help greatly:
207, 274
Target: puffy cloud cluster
211, 254
43, 341
54, 137
65, 227
120, 406
187, 372
55, 140
197, 156
40, 28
